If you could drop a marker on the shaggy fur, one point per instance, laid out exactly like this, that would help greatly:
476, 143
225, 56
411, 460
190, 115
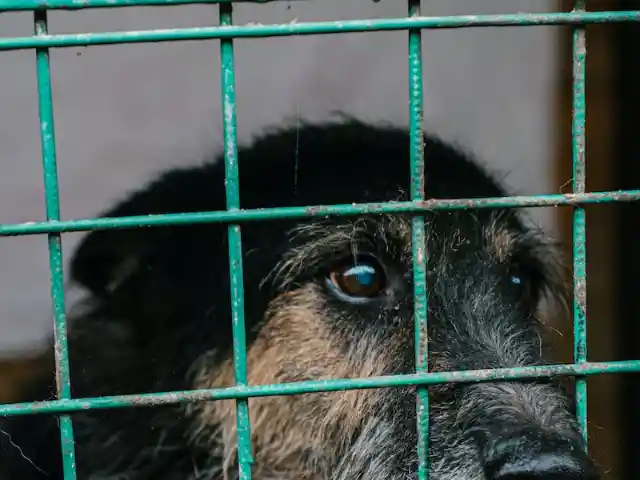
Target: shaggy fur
157, 318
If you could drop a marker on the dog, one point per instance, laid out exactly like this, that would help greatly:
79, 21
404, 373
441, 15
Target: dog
325, 297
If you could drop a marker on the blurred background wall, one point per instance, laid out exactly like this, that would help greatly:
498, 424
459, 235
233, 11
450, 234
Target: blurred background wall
123, 113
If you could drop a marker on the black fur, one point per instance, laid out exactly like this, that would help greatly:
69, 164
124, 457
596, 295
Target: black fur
160, 296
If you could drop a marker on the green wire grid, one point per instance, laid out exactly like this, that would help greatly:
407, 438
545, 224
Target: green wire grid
53, 227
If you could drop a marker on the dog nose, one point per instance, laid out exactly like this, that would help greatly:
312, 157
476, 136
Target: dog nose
532, 456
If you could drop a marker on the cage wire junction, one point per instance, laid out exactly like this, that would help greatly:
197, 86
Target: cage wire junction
225, 32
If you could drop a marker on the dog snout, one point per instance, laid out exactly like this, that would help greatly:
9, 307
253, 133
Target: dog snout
534, 455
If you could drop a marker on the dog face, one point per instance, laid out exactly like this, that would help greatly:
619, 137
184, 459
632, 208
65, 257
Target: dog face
324, 298
343, 308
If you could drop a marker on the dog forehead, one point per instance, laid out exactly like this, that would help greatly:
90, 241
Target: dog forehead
446, 232
351, 231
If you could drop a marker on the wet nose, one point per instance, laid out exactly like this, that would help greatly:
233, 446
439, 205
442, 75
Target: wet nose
534, 456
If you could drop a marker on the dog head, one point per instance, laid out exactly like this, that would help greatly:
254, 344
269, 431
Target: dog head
333, 298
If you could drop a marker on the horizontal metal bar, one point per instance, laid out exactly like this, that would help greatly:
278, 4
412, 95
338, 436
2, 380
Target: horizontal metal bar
311, 28
317, 386
262, 214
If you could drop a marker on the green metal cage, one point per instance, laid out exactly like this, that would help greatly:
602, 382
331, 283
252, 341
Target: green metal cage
226, 32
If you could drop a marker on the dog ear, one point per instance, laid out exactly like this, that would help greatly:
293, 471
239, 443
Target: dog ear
106, 260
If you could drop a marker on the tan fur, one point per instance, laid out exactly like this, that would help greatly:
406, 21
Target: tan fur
500, 240
295, 345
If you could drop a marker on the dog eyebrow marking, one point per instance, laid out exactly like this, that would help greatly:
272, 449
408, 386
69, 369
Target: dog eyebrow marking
312, 243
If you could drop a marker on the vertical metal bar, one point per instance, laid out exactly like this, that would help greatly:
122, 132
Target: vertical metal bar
243, 426
418, 239
579, 217
52, 205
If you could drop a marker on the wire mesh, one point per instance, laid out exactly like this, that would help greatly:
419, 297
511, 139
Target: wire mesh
413, 23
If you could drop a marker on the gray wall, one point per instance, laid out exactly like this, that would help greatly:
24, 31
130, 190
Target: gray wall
125, 112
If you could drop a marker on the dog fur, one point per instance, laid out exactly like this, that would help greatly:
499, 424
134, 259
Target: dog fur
157, 318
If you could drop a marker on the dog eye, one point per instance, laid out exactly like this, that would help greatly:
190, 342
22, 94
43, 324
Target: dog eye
521, 280
359, 279
518, 280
